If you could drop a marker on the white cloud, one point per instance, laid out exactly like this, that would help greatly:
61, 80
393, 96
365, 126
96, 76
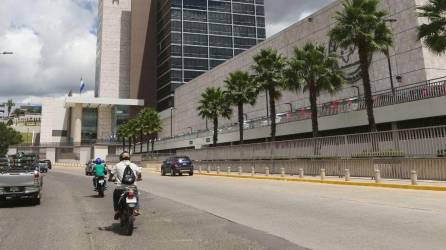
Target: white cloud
52, 44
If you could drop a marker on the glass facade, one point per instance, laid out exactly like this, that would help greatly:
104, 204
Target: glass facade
89, 125
195, 36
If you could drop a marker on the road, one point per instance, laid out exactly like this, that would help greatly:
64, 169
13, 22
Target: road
72, 217
225, 213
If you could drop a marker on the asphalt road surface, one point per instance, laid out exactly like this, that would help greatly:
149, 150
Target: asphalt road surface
72, 217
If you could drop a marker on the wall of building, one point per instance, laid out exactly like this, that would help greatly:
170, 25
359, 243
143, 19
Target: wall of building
54, 119
408, 59
113, 51
143, 51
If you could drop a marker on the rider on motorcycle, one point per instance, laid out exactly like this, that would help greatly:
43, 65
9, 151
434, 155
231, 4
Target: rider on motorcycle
99, 171
118, 172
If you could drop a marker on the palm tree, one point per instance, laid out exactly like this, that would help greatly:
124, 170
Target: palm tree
10, 103
133, 130
149, 122
363, 26
433, 33
123, 133
213, 104
314, 70
240, 90
268, 75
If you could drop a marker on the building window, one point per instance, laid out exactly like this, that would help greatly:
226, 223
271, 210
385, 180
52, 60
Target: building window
89, 124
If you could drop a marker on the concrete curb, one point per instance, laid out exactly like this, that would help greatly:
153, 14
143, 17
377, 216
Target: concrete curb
349, 183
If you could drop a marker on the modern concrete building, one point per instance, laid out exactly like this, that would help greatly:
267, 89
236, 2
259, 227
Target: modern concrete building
195, 36
412, 65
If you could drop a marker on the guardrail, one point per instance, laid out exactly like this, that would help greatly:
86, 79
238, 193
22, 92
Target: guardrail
418, 142
408, 93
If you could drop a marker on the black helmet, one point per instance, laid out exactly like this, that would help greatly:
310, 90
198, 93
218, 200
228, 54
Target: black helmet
124, 156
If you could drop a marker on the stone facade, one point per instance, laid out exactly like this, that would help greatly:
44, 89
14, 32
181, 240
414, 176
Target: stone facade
54, 118
113, 49
409, 60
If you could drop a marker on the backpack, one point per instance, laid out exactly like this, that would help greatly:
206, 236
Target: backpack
128, 178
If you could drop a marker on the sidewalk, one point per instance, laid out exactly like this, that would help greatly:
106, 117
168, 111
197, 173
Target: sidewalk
354, 181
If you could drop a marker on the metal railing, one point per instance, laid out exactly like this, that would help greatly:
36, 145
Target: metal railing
408, 93
419, 142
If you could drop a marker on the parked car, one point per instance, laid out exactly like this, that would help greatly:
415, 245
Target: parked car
43, 166
20, 178
49, 164
177, 165
89, 167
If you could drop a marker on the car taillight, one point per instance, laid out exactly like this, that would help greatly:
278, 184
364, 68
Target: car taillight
130, 194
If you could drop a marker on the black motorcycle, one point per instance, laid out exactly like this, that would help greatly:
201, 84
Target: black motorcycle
126, 206
100, 186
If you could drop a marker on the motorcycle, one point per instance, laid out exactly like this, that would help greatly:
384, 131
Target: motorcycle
126, 206
100, 186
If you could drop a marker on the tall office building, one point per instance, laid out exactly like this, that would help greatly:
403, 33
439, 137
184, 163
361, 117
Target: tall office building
194, 36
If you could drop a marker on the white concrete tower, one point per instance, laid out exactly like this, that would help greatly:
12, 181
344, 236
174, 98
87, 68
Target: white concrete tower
113, 49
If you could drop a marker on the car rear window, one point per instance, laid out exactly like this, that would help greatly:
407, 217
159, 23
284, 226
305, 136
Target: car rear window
182, 159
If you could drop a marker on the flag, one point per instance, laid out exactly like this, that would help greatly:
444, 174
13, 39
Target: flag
82, 86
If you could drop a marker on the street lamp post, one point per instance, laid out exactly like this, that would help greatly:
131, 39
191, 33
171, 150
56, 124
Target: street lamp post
358, 93
171, 121
291, 106
387, 52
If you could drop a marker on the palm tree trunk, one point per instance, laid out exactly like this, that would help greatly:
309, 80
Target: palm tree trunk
140, 140
313, 104
272, 105
215, 138
134, 144
364, 63
240, 121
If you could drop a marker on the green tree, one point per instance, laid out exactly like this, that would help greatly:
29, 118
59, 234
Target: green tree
134, 129
433, 33
268, 70
313, 69
214, 104
240, 90
10, 103
149, 122
123, 133
362, 25
8, 136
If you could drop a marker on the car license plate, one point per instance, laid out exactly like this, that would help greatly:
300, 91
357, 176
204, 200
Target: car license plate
14, 189
101, 181
130, 200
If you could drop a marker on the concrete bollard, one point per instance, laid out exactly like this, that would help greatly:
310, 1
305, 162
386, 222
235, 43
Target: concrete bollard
347, 174
267, 171
218, 170
282, 172
322, 174
209, 169
377, 176
240, 170
301, 173
413, 177
229, 170
253, 171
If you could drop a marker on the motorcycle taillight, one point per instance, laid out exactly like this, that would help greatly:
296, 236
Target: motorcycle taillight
130, 194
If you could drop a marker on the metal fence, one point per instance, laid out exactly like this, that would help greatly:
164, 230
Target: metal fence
408, 93
419, 142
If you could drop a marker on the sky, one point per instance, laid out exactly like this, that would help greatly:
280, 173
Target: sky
54, 43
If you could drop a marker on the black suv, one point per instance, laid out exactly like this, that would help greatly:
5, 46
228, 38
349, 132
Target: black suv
177, 165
